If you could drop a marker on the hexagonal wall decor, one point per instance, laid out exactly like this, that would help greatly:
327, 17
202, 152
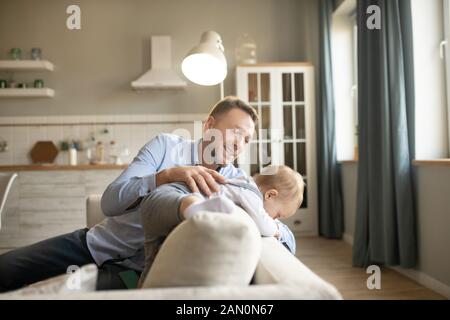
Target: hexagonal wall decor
44, 152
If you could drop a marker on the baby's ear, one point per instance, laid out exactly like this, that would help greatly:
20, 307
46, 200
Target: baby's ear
271, 193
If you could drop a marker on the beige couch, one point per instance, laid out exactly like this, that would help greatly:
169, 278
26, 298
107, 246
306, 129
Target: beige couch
279, 275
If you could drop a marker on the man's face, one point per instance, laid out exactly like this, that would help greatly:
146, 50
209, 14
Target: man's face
231, 131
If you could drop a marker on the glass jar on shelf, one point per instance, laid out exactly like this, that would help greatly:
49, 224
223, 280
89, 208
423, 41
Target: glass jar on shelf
100, 152
245, 50
113, 153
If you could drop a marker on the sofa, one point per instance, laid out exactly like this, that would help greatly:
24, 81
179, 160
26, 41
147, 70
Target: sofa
278, 275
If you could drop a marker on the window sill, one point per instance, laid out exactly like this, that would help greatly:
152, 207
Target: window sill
348, 162
416, 163
433, 163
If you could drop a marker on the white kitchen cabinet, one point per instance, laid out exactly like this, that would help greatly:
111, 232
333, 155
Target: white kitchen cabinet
43, 204
283, 95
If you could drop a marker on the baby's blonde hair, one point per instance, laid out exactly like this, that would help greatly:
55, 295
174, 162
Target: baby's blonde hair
286, 181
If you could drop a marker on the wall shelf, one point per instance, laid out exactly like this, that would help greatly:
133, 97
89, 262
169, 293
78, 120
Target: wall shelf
27, 93
26, 65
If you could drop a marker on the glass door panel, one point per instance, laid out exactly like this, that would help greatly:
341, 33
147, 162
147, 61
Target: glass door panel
265, 122
301, 158
252, 87
289, 154
299, 87
287, 122
286, 87
254, 158
300, 122
265, 87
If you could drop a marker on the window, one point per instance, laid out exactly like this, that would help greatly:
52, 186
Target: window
344, 47
445, 54
431, 41
431, 136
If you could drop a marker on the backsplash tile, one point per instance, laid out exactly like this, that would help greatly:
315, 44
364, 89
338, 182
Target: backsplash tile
128, 131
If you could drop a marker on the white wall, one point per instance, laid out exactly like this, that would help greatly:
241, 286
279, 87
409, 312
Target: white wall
95, 65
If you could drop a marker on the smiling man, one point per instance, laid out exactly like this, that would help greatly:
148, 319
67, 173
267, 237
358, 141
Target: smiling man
116, 244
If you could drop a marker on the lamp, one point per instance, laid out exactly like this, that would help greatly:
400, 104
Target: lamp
205, 64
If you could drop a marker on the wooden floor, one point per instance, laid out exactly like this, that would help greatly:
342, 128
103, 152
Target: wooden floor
332, 260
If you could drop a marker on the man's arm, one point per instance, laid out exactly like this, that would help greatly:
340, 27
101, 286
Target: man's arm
144, 175
136, 181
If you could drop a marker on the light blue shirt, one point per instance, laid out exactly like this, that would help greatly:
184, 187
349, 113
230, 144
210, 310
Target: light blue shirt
120, 236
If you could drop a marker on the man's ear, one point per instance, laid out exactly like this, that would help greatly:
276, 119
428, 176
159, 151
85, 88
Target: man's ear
271, 193
209, 123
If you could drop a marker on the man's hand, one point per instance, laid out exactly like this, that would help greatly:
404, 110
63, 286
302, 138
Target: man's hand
197, 178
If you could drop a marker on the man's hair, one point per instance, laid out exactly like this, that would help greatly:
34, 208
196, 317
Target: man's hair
231, 102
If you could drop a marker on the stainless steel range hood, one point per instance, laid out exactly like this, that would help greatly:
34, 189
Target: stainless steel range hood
161, 75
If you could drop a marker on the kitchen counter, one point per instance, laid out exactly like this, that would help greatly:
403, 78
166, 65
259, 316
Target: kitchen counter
57, 167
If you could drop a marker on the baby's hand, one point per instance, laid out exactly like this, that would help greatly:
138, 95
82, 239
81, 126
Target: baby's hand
277, 235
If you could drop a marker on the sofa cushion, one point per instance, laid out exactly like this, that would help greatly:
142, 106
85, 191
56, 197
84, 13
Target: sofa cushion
83, 279
209, 249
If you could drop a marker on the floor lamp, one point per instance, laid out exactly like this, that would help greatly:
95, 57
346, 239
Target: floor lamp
205, 64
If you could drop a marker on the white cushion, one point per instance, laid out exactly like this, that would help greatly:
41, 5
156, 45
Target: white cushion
209, 249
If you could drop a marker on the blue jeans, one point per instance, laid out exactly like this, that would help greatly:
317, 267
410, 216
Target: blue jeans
52, 257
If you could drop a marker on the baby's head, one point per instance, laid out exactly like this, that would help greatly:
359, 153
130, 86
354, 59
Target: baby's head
282, 189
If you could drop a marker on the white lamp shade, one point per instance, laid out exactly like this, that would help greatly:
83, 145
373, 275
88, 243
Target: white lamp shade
205, 64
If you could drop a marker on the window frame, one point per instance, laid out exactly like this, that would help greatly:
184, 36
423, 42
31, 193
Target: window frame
445, 55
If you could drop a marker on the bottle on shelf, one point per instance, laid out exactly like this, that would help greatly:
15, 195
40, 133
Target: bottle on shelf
72, 154
100, 152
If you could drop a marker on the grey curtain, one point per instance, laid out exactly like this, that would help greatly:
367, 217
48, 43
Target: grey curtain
385, 231
330, 197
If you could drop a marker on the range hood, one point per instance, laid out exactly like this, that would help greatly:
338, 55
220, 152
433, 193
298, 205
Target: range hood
161, 75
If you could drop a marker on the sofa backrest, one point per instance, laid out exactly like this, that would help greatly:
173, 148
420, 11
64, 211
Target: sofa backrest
94, 213
277, 265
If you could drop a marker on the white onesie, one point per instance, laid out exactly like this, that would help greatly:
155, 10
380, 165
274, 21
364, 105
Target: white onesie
242, 192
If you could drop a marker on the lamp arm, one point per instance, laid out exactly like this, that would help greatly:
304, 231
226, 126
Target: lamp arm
221, 91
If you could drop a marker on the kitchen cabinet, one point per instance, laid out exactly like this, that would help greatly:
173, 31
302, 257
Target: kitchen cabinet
46, 203
283, 95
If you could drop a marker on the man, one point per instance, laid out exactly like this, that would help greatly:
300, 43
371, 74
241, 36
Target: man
116, 244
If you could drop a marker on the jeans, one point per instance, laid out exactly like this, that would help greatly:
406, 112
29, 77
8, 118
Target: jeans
52, 257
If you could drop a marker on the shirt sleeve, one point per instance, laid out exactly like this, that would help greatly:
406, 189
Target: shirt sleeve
124, 193
287, 237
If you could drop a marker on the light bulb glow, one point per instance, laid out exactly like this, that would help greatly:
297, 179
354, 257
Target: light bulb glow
204, 69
